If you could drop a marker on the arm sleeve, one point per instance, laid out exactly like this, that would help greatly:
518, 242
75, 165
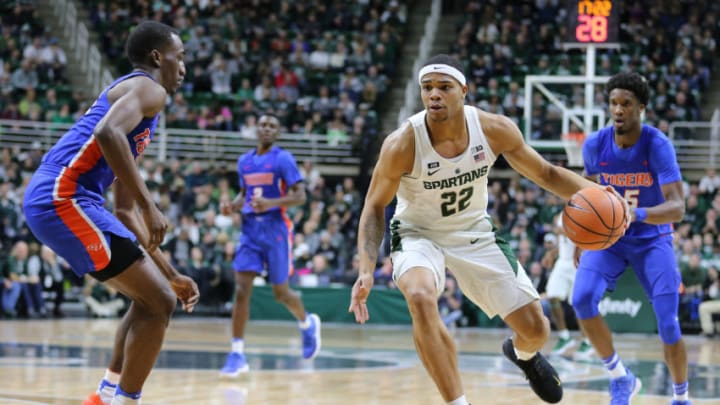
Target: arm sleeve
241, 180
664, 162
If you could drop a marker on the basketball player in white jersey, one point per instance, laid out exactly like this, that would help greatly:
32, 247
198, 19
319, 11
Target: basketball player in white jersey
559, 288
438, 164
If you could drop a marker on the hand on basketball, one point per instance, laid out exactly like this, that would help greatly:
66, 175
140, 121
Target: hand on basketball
359, 296
628, 213
186, 291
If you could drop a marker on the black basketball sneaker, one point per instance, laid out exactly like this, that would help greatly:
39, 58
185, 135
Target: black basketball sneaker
543, 378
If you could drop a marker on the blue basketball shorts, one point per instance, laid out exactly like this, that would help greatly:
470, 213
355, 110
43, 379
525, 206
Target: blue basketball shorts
78, 229
266, 242
652, 260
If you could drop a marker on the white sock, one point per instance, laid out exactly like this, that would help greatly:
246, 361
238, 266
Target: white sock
615, 366
238, 345
564, 334
524, 356
112, 377
106, 388
459, 401
306, 323
123, 398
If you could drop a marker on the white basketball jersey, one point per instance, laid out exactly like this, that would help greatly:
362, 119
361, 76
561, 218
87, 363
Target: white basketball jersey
566, 248
445, 194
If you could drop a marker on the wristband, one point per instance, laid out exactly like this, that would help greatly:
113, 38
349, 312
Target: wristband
640, 214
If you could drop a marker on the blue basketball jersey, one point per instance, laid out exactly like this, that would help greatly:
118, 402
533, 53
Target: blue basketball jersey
78, 155
267, 175
637, 173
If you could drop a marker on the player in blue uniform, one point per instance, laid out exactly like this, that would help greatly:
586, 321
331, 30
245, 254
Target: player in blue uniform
269, 183
64, 209
639, 162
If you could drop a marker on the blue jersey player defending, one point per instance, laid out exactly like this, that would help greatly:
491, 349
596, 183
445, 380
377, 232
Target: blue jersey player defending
269, 182
639, 161
64, 208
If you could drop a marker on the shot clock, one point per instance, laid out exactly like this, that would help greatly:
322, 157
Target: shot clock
593, 22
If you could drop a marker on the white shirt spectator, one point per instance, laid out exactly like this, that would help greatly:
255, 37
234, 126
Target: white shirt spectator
709, 183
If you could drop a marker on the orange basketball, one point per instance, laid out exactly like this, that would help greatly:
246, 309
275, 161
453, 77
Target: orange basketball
594, 218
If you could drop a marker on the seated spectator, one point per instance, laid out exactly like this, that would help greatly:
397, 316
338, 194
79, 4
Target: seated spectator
102, 301
25, 266
711, 305
450, 302
383, 274
9, 290
53, 278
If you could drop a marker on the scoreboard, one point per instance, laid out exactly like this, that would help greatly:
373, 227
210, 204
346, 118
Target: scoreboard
593, 22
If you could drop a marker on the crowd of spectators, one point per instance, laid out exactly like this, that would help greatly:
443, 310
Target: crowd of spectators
32, 68
320, 66
672, 43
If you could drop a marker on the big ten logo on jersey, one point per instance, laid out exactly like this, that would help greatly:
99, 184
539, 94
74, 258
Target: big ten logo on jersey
142, 140
478, 154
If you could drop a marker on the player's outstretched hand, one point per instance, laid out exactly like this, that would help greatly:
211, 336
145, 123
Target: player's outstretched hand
186, 291
628, 212
359, 296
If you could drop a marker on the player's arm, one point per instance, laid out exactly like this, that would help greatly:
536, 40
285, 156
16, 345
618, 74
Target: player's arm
143, 98
396, 159
397, 156
126, 211
663, 161
670, 211
295, 196
506, 139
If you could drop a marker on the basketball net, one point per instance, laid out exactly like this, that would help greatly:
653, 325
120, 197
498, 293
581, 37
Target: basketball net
573, 142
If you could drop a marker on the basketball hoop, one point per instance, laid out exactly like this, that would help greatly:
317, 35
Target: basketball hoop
573, 142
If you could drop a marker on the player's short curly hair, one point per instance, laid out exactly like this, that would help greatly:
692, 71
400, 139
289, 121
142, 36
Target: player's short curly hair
145, 37
444, 59
630, 81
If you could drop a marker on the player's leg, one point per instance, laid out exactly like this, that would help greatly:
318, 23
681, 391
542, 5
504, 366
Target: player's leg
598, 271
236, 362
279, 262
657, 271
419, 272
433, 342
144, 325
559, 288
489, 274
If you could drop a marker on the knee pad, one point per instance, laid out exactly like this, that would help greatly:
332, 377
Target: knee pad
666, 311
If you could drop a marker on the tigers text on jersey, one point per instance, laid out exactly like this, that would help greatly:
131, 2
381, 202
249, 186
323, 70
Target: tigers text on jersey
441, 193
637, 173
77, 157
267, 175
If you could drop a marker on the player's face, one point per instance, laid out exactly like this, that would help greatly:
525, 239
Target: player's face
625, 110
442, 96
172, 66
268, 129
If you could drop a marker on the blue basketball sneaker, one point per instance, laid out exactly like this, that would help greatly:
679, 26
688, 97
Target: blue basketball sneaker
680, 402
235, 364
311, 337
623, 388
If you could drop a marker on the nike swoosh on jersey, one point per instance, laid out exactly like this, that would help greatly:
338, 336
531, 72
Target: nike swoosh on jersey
430, 173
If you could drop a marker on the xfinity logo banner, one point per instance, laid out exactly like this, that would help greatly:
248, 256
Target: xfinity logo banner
620, 307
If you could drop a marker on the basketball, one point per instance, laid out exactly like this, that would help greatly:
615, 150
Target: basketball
594, 218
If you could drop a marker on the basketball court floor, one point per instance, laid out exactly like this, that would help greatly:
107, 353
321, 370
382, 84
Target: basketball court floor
61, 361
